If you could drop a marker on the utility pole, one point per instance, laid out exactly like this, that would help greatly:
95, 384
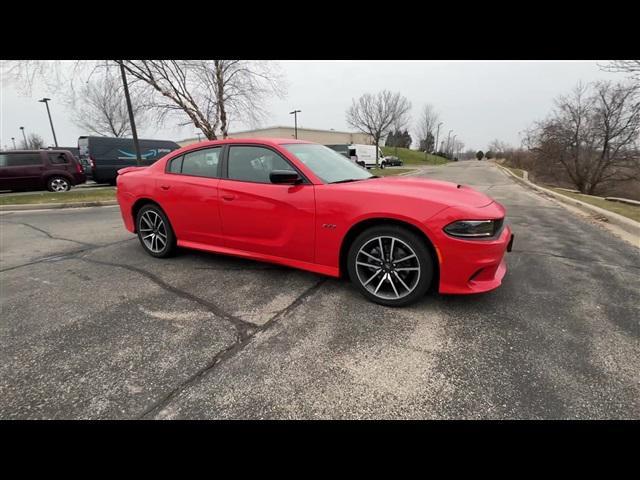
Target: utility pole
134, 132
295, 120
46, 102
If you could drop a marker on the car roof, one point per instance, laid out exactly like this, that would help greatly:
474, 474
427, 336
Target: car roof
36, 150
260, 140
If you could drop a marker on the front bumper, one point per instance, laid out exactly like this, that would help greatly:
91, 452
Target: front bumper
473, 266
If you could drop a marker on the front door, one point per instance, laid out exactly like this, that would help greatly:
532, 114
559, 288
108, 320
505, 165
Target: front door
261, 217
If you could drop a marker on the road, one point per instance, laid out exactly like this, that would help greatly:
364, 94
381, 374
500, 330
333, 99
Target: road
92, 327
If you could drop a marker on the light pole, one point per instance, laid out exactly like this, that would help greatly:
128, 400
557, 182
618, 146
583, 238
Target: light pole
25, 138
437, 134
13, 139
453, 144
448, 140
46, 102
132, 120
295, 120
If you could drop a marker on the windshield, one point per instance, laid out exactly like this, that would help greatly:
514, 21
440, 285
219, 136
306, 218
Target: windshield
327, 164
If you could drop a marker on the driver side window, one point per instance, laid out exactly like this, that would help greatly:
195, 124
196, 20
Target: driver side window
254, 164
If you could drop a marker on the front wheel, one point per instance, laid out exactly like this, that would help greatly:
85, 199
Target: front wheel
390, 265
154, 232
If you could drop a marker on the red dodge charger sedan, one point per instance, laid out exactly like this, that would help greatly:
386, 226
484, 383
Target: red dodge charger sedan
306, 206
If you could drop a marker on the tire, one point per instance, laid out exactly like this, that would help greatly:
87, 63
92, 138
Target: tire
58, 184
153, 228
382, 165
408, 284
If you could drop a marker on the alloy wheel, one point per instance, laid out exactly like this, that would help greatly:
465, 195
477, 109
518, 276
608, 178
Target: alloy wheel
153, 231
388, 267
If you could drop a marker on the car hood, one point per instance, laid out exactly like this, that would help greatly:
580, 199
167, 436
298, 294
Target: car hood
446, 193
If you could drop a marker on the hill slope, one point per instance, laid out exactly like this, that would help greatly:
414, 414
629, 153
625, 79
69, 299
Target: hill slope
414, 157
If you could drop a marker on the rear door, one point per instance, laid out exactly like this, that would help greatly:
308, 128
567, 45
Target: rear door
188, 192
23, 170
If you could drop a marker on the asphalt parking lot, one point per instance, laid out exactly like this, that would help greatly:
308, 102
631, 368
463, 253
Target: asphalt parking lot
92, 327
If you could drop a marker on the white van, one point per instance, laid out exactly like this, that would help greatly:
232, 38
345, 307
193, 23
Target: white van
365, 155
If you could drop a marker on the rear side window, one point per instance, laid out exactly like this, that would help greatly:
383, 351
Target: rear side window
175, 166
202, 163
23, 159
3, 159
254, 164
58, 158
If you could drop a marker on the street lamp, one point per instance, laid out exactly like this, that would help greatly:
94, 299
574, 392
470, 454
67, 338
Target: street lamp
437, 134
295, 119
25, 138
46, 102
448, 140
13, 139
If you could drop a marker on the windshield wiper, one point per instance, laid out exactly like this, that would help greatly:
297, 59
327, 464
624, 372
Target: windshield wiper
354, 179
347, 180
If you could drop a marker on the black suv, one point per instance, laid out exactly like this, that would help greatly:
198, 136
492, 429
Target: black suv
391, 161
55, 170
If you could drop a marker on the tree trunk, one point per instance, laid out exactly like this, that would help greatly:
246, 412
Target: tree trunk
220, 93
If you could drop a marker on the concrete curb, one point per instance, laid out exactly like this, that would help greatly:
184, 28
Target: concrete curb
626, 224
52, 206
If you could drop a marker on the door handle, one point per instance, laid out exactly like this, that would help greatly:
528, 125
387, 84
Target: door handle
164, 187
228, 196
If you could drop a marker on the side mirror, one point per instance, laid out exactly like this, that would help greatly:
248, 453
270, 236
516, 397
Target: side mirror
288, 177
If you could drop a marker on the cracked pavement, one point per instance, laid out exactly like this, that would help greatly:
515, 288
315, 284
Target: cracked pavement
92, 327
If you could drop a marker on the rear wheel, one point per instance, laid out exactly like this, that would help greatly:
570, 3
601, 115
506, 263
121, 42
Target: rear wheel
58, 184
390, 265
154, 232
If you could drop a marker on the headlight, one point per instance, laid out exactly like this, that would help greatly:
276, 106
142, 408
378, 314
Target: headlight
473, 228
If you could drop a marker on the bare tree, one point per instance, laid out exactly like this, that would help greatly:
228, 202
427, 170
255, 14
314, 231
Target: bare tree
498, 148
180, 90
378, 114
627, 66
426, 126
209, 93
34, 142
101, 108
241, 88
593, 133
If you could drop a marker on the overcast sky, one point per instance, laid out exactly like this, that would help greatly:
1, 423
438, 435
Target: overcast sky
480, 101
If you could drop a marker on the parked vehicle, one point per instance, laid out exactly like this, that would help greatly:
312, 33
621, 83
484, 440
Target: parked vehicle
53, 169
363, 155
391, 161
102, 157
304, 205
75, 151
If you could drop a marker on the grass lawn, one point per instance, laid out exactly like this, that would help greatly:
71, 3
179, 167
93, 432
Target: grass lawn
413, 157
75, 195
629, 211
385, 172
